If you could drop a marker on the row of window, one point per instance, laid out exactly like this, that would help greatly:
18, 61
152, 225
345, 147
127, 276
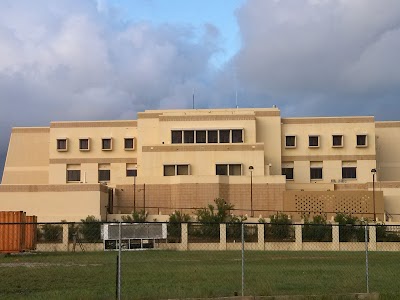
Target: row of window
211, 136
103, 175
220, 169
106, 144
316, 173
314, 141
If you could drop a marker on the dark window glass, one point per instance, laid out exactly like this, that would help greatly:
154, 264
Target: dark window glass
106, 144
212, 136
131, 173
73, 175
337, 140
316, 173
224, 136
313, 141
237, 136
182, 169
290, 141
129, 143
221, 170
200, 136
235, 170
104, 175
84, 144
61, 144
169, 170
188, 136
288, 172
176, 137
349, 172
361, 140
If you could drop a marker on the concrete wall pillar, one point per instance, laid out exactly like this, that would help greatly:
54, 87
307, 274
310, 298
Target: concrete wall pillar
65, 237
372, 238
222, 236
335, 237
184, 237
260, 241
299, 236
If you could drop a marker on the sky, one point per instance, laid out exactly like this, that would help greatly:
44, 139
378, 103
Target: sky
108, 59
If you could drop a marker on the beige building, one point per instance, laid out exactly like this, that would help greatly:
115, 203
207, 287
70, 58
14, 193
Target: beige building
171, 160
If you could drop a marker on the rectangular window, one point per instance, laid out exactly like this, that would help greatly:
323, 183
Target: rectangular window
129, 143
62, 144
290, 141
182, 170
361, 140
104, 175
73, 175
106, 144
349, 172
337, 140
237, 136
212, 136
188, 136
201, 136
235, 169
221, 170
288, 172
172, 170
176, 137
84, 144
315, 173
224, 136
313, 141
131, 172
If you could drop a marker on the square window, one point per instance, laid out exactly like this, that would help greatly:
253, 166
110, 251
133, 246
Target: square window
224, 136
129, 143
361, 140
337, 140
221, 170
73, 175
315, 173
200, 136
104, 175
182, 170
62, 145
313, 141
212, 136
176, 137
349, 172
235, 169
290, 141
188, 136
106, 144
169, 170
288, 172
237, 136
84, 144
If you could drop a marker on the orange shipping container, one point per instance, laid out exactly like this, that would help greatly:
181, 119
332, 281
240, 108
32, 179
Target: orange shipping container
30, 232
12, 231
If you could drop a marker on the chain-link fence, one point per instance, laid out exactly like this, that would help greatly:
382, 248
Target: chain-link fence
93, 260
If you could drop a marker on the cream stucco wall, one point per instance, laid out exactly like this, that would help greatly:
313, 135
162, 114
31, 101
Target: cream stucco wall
388, 150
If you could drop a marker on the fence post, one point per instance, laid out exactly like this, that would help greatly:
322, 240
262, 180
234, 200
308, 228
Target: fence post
366, 258
260, 241
372, 238
65, 237
242, 259
222, 236
184, 237
299, 236
335, 237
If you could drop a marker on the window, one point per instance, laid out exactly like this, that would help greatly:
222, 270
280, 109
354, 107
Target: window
176, 137
129, 143
315, 170
313, 141
237, 136
131, 172
224, 136
188, 136
84, 144
288, 172
349, 170
361, 140
337, 140
173, 170
228, 169
201, 136
106, 144
73, 175
62, 144
290, 141
104, 175
212, 136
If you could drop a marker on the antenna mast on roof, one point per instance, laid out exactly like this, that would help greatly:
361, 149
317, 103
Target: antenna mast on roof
193, 99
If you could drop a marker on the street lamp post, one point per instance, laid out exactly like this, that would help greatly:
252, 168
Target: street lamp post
373, 171
251, 168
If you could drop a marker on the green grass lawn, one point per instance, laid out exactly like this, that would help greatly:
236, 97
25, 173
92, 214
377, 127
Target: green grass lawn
160, 274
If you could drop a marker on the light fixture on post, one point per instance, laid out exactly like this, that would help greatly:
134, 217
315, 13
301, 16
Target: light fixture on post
373, 171
251, 168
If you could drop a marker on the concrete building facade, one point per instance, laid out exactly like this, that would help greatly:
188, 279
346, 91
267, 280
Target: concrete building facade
169, 160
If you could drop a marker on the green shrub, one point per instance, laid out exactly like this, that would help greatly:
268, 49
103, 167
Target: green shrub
137, 216
317, 230
91, 229
350, 228
280, 228
50, 233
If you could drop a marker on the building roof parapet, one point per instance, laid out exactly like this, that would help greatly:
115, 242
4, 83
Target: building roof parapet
30, 130
90, 124
321, 120
387, 124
